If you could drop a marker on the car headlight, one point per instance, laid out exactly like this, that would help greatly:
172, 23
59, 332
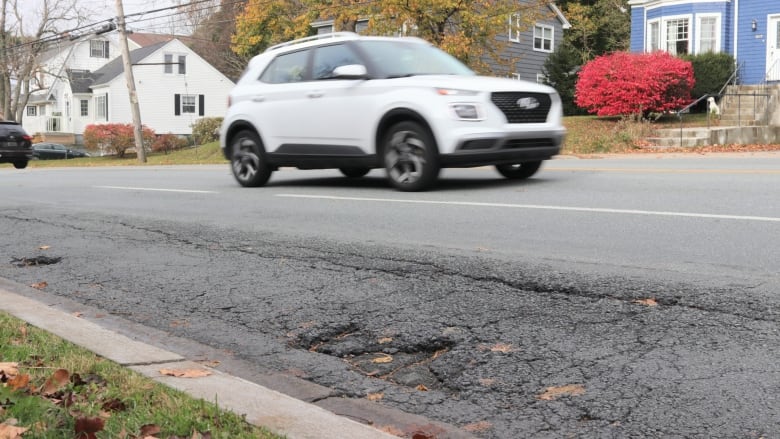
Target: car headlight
455, 92
467, 111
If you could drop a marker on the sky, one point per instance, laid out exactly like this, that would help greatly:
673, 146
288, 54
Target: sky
103, 9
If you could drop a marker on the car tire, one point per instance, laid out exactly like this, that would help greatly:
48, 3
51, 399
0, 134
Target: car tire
248, 160
519, 171
20, 164
354, 172
410, 157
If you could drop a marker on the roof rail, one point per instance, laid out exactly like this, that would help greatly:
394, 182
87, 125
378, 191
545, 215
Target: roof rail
314, 38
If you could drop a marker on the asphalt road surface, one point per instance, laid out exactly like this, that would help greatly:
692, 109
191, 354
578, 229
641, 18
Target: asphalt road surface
615, 297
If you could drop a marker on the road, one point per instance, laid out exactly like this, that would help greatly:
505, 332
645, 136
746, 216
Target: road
624, 296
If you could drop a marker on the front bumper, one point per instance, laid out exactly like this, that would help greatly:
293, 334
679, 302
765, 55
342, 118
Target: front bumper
501, 151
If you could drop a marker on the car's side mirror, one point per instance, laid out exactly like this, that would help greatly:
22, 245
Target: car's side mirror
350, 71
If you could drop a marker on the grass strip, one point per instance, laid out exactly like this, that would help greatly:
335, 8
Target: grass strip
51, 388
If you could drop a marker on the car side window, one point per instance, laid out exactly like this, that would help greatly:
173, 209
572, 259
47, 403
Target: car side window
327, 58
289, 67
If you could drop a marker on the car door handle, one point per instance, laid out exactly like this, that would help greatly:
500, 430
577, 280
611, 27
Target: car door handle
314, 94
258, 98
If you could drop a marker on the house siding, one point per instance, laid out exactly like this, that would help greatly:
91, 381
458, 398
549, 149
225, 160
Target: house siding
156, 92
752, 50
637, 43
527, 62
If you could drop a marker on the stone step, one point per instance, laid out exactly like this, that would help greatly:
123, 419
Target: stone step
685, 142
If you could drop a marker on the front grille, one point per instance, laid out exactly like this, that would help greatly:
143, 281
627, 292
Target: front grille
523, 107
528, 143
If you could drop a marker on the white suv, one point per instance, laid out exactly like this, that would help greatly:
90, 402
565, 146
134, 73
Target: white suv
354, 102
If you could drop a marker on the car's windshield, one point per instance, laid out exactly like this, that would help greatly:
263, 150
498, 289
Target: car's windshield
400, 58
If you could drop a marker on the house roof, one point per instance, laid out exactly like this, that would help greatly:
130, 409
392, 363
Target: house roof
143, 39
80, 80
115, 67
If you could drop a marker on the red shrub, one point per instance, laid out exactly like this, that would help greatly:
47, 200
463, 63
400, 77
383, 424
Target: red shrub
626, 83
168, 142
115, 138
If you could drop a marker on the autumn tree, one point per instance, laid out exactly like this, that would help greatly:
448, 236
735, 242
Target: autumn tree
636, 84
213, 25
598, 27
475, 31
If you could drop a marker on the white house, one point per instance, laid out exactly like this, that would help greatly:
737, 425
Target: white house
85, 84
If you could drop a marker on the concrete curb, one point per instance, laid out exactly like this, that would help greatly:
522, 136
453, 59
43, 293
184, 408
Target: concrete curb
278, 412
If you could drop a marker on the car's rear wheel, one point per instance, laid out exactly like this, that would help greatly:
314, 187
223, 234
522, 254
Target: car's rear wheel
354, 172
20, 164
519, 171
410, 157
248, 160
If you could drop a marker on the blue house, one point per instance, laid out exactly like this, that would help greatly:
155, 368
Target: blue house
747, 29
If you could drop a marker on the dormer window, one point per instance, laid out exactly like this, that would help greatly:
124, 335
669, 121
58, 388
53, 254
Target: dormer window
98, 49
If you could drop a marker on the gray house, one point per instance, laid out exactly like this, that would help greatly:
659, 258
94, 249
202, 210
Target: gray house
525, 51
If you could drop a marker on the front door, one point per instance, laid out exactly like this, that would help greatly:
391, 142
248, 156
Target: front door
773, 49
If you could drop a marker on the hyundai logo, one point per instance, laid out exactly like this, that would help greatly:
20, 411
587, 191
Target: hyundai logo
527, 103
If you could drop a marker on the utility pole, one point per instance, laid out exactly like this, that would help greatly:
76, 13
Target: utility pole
139, 141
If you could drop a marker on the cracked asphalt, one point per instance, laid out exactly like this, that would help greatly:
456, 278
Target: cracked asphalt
502, 347
485, 338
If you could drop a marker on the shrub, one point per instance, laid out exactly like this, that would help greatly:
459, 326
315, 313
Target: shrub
115, 138
711, 71
168, 142
206, 130
636, 84
560, 72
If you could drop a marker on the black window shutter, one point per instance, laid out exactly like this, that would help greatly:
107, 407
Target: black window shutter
201, 105
106, 46
177, 104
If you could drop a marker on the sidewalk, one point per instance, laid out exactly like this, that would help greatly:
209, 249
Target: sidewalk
262, 406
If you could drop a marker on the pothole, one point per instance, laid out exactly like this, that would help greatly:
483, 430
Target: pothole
37, 260
392, 359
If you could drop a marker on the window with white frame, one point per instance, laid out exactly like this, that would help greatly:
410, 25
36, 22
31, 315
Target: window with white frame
653, 36
541, 79
84, 104
32, 110
98, 49
182, 64
543, 38
516, 76
101, 108
168, 60
678, 41
708, 33
514, 28
188, 103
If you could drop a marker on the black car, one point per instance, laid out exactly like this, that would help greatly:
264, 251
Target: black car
15, 145
47, 150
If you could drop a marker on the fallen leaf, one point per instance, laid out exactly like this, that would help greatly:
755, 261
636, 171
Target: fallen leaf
11, 431
19, 381
10, 369
385, 340
150, 430
555, 392
87, 427
476, 427
421, 388
385, 358
56, 381
114, 405
185, 373
23, 330
375, 396
44, 247
646, 302
40, 285
502, 347
487, 382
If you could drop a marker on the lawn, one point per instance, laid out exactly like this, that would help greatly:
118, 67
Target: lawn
51, 388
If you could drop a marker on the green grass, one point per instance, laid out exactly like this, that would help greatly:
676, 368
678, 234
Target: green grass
124, 400
209, 153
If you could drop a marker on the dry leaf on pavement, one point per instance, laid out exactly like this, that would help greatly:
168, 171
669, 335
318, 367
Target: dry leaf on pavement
375, 396
185, 373
40, 285
646, 302
555, 392
385, 358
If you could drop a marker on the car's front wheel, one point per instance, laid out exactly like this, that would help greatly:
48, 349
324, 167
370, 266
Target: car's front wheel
20, 164
519, 171
248, 160
410, 157
354, 172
